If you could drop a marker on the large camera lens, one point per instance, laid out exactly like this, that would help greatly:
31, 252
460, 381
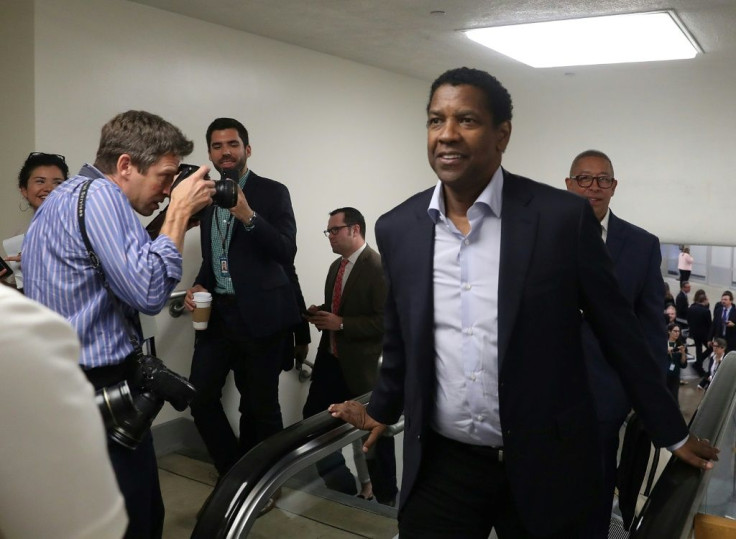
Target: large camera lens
226, 190
127, 416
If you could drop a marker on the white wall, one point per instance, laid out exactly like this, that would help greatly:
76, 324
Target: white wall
335, 132
670, 137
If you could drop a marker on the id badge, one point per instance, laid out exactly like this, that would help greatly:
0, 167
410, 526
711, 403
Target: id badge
224, 272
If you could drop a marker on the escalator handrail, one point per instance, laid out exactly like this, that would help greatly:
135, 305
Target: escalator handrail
677, 495
225, 508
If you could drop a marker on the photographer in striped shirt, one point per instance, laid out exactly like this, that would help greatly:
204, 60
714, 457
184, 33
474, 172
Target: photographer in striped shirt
137, 160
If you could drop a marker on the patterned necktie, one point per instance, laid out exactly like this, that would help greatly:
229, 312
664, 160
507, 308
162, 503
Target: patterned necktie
336, 297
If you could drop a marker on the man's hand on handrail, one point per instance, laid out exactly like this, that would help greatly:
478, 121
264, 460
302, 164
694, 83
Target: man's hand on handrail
354, 413
697, 453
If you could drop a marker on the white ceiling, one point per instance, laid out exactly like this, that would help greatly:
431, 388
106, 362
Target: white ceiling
404, 36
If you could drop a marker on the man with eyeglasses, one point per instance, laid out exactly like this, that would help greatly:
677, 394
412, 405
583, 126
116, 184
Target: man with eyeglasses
636, 257
346, 366
487, 275
248, 267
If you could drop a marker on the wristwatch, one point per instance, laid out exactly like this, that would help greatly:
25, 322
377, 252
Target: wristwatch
250, 223
341, 328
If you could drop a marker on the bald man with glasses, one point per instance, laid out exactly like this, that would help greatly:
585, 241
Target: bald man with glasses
637, 258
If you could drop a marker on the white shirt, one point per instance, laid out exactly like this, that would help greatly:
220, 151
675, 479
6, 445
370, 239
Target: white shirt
604, 225
56, 479
351, 263
465, 278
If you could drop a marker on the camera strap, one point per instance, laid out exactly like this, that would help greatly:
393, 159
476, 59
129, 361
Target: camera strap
132, 337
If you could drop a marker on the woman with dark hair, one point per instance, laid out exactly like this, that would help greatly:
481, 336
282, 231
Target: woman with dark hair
40, 174
677, 359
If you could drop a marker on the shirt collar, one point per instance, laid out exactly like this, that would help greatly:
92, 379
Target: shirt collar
354, 257
491, 197
604, 221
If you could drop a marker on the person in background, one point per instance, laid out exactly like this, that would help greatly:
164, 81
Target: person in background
677, 359
40, 174
699, 321
668, 299
248, 266
681, 301
724, 321
346, 367
637, 259
685, 264
719, 351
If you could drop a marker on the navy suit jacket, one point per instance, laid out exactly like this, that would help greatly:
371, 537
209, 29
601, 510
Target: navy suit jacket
553, 262
637, 261
260, 260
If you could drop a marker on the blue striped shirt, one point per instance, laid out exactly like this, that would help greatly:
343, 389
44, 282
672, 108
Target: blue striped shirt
58, 273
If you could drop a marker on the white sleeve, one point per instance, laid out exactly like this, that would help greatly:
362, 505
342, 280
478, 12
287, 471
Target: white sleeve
56, 479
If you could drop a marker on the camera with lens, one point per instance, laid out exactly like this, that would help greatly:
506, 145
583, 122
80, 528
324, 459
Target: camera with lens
129, 407
226, 195
226, 188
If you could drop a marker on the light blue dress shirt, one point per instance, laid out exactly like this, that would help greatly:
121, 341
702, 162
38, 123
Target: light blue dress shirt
466, 269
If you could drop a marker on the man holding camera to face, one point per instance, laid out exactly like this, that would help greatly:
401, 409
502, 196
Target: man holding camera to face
87, 257
247, 265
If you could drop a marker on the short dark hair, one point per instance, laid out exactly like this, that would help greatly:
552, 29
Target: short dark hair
720, 341
699, 296
728, 293
671, 326
39, 159
144, 136
591, 153
683, 283
352, 217
221, 124
498, 98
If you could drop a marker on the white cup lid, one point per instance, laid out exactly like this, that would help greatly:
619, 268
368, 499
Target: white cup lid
202, 297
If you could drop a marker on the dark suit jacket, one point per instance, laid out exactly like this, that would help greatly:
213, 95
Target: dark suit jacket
259, 260
699, 321
553, 262
359, 343
717, 327
681, 305
637, 259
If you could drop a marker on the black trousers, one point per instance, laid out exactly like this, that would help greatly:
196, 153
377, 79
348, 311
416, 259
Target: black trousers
328, 387
684, 275
463, 491
256, 365
599, 520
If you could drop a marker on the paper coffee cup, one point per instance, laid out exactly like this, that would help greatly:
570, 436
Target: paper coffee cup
202, 310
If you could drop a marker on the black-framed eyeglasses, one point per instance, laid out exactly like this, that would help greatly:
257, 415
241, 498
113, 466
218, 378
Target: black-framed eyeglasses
585, 180
334, 230
37, 154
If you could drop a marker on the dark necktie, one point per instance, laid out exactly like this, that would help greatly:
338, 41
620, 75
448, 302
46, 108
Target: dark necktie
725, 322
336, 298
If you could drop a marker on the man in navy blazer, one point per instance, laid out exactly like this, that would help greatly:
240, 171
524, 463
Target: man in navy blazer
489, 277
247, 265
637, 259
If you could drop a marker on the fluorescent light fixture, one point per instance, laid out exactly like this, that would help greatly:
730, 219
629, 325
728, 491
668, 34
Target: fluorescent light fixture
633, 37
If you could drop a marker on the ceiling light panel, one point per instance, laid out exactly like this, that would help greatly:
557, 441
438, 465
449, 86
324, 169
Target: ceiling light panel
634, 37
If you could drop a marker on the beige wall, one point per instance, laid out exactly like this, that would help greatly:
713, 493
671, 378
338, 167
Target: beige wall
16, 108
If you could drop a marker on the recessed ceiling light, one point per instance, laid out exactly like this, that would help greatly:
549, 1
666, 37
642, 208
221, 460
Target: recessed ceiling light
634, 37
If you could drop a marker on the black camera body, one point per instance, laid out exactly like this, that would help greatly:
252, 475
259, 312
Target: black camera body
129, 407
226, 188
